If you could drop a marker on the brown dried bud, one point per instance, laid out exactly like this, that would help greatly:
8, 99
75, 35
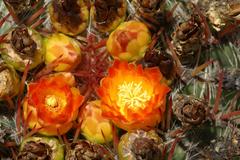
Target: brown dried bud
150, 4
85, 150
20, 7
9, 81
145, 148
152, 58
151, 12
187, 40
69, 16
40, 148
24, 46
190, 110
222, 13
33, 150
108, 14
22, 42
161, 59
140, 145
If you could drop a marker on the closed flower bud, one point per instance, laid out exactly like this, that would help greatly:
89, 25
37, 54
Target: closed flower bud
95, 127
63, 49
129, 41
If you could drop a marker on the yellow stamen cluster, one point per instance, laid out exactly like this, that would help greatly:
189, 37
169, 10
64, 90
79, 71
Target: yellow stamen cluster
132, 95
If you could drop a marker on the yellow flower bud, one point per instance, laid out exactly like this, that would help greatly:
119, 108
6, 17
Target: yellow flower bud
95, 127
65, 49
129, 41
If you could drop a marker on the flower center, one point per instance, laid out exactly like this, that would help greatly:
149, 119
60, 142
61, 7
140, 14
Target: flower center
132, 95
51, 101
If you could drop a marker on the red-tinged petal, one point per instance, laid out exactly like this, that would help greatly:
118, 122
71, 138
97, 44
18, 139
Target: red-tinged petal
52, 130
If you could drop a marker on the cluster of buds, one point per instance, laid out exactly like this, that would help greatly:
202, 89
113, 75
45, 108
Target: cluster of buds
132, 97
105, 15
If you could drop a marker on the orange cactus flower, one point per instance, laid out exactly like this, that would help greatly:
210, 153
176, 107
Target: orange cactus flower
133, 97
51, 104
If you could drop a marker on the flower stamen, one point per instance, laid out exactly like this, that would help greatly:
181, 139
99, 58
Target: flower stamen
51, 101
132, 95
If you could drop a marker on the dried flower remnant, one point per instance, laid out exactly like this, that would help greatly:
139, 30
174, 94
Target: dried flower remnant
23, 46
69, 16
162, 60
9, 81
133, 97
22, 42
129, 41
41, 148
187, 40
63, 48
151, 12
108, 14
190, 110
95, 127
51, 104
140, 145
85, 150
20, 8
223, 13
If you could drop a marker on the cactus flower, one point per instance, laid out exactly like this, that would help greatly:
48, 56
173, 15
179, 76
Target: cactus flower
51, 104
133, 97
